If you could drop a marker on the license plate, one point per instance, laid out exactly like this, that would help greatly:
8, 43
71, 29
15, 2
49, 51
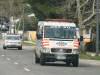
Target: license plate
61, 57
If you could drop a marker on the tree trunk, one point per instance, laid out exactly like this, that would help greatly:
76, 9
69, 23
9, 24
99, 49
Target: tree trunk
82, 46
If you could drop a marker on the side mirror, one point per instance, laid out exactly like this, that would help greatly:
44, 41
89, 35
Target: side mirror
39, 36
81, 38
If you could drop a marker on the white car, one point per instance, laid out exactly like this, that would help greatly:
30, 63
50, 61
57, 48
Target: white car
12, 41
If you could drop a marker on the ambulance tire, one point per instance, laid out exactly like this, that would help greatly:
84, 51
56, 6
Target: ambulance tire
76, 61
37, 60
42, 60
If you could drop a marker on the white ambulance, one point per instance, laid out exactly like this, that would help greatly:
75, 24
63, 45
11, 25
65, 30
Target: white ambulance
57, 41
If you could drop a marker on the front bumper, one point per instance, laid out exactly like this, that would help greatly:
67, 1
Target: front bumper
59, 57
13, 45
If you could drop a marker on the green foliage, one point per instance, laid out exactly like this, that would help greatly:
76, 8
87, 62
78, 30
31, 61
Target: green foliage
60, 8
47, 8
29, 24
88, 56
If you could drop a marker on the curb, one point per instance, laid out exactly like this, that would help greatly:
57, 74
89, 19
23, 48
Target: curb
92, 54
91, 62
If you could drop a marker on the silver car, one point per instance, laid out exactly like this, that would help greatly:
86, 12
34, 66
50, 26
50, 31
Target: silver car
12, 41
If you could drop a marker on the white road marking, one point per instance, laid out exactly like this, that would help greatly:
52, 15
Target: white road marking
2, 55
26, 69
16, 63
8, 59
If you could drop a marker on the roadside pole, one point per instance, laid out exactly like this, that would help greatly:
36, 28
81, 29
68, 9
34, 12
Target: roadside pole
23, 19
97, 25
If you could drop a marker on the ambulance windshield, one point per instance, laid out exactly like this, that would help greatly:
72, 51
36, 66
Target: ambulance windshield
61, 32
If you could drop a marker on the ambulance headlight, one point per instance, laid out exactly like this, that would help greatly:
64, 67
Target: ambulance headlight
75, 51
46, 50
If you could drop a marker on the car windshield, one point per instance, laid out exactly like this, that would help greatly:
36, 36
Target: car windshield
13, 37
61, 32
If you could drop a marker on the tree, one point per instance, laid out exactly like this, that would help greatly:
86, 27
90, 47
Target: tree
82, 17
47, 8
11, 7
82, 10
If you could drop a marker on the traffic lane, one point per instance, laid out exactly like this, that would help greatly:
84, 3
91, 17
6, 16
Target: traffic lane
61, 69
8, 68
26, 56
47, 70
15, 57
25, 59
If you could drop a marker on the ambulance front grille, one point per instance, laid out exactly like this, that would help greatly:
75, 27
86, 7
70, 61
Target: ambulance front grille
58, 50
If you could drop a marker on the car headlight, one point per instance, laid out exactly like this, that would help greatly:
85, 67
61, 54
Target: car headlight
6, 42
46, 50
75, 51
19, 42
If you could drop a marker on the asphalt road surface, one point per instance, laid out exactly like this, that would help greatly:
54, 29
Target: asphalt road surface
21, 62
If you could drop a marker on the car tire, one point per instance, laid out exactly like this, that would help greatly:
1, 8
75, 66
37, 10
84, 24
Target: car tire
4, 47
20, 48
76, 61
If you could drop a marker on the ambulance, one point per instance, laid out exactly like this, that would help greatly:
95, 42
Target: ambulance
57, 40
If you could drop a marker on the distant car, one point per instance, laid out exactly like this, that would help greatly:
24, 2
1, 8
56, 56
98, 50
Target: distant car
12, 41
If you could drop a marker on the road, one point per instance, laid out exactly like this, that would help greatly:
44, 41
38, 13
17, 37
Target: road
21, 62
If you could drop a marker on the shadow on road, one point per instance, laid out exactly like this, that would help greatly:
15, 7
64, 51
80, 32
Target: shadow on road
12, 49
65, 65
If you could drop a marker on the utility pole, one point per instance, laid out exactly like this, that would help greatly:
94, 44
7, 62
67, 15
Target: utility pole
12, 25
97, 25
23, 18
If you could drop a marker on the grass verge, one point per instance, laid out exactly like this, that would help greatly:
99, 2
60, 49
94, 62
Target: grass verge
89, 56
31, 43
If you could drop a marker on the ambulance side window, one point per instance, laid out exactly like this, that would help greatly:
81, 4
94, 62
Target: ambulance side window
39, 32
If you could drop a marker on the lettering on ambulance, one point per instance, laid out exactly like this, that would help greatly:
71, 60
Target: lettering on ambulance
64, 44
61, 43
